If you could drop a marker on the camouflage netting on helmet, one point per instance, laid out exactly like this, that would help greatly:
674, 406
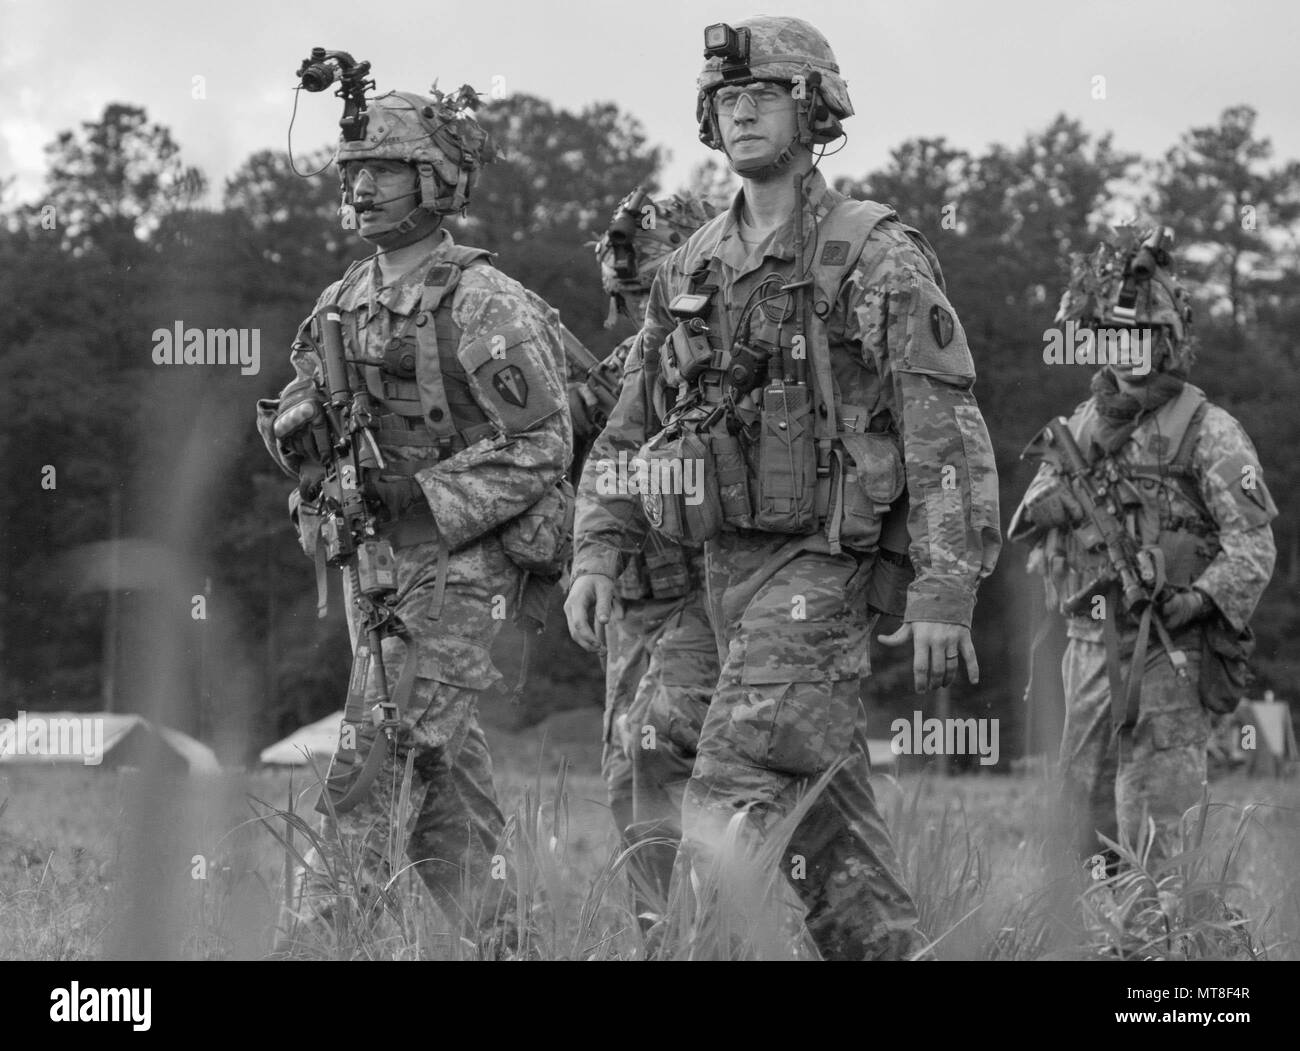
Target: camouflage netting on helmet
1097, 281
437, 133
642, 233
781, 49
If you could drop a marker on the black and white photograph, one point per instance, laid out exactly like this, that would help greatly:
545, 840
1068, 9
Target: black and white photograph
534, 482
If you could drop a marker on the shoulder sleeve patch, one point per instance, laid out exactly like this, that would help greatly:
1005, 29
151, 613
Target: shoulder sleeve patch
934, 343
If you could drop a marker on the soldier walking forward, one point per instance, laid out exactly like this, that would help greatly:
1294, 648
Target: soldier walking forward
800, 352
459, 388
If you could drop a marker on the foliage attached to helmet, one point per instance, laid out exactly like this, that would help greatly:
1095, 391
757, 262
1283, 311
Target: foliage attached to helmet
436, 134
640, 236
1128, 282
787, 51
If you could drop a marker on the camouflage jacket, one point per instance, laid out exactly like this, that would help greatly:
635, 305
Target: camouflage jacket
529, 445
1228, 511
887, 354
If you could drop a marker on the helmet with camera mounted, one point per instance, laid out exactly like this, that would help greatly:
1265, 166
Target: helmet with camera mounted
783, 50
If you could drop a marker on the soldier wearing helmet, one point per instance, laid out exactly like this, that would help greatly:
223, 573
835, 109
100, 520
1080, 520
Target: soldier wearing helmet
1194, 498
661, 654
461, 367
800, 354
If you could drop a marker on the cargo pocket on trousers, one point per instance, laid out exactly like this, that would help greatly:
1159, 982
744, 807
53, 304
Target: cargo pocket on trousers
1187, 729
800, 713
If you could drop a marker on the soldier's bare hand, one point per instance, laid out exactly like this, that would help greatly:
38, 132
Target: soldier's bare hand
935, 652
591, 593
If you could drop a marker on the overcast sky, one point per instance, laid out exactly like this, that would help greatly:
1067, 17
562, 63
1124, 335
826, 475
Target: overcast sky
973, 72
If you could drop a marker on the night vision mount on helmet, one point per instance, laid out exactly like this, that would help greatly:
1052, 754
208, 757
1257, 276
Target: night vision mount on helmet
641, 234
437, 134
1128, 282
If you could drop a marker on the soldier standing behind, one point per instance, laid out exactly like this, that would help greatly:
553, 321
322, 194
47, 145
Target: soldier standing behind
800, 350
1193, 502
661, 652
460, 391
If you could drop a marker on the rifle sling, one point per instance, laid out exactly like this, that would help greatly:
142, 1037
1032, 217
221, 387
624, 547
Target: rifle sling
360, 788
1114, 671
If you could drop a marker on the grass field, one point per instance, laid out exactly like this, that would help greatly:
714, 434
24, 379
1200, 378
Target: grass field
101, 864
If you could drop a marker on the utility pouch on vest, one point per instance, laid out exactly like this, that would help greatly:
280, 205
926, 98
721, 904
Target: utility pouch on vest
666, 568
871, 478
893, 571
733, 481
690, 522
787, 461
1184, 555
540, 540
1224, 664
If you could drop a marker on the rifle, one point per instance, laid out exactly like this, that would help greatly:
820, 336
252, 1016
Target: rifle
1138, 573
348, 532
603, 378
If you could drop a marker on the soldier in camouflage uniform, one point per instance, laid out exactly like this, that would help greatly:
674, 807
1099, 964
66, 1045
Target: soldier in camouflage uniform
472, 421
1194, 493
660, 648
799, 349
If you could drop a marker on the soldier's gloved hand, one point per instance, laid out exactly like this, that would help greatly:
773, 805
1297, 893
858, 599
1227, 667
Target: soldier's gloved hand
300, 407
590, 596
1055, 509
1184, 606
937, 647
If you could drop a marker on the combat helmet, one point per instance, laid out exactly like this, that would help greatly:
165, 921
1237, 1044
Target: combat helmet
781, 49
1128, 282
641, 234
437, 134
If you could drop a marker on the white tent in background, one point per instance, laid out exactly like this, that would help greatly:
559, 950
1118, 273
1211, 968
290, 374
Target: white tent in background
318, 739
106, 739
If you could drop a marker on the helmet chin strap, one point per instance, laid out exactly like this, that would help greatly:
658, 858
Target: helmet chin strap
412, 227
768, 169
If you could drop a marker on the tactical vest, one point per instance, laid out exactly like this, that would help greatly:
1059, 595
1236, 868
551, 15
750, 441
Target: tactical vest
1163, 503
417, 376
805, 462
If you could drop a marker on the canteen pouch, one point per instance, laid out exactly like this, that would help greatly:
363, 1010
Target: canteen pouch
690, 519
787, 462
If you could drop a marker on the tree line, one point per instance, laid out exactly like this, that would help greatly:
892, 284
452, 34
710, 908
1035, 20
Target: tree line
161, 492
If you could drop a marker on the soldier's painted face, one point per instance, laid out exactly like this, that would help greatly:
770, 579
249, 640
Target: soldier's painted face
757, 121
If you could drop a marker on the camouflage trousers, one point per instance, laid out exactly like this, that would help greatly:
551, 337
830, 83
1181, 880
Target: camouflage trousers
785, 710
661, 668
452, 820
1155, 769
